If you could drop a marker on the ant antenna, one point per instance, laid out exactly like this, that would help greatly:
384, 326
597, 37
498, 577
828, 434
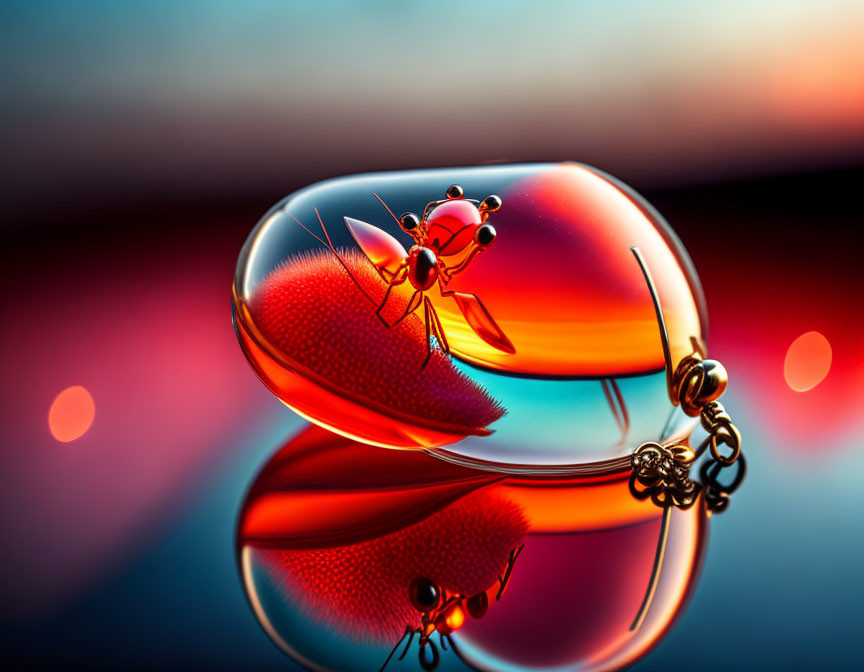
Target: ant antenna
658, 310
386, 207
306, 229
329, 244
324, 229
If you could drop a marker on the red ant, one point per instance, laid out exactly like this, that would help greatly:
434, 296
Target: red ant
447, 228
444, 612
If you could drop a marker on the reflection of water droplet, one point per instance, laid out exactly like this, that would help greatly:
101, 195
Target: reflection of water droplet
71, 414
808, 361
334, 534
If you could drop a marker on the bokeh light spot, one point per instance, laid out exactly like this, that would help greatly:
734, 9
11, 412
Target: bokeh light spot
71, 414
808, 361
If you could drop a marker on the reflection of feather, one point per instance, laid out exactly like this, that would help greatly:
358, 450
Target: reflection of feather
322, 489
361, 590
310, 309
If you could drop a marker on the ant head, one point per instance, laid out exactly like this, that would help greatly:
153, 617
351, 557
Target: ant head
425, 595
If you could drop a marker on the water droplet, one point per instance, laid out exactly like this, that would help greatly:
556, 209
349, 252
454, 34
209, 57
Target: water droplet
556, 356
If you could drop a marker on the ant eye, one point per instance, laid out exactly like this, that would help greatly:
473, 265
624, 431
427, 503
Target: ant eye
425, 595
490, 204
455, 191
409, 221
484, 235
477, 605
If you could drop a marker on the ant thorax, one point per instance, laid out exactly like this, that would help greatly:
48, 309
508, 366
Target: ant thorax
422, 267
447, 238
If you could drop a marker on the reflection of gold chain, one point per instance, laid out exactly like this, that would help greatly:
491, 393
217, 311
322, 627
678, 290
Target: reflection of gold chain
663, 474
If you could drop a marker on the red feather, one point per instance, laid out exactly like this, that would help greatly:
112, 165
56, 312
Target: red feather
312, 311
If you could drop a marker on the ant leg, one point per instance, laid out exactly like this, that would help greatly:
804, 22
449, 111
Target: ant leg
408, 643
504, 581
396, 278
436, 325
429, 665
329, 245
410, 308
453, 646
462, 265
384, 303
428, 334
480, 319
387, 662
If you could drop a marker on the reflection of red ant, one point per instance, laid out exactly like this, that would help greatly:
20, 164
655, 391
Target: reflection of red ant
444, 612
449, 228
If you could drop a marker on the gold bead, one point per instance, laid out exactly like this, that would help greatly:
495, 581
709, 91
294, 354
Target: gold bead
714, 381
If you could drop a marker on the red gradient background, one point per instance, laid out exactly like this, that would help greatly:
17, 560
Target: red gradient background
142, 143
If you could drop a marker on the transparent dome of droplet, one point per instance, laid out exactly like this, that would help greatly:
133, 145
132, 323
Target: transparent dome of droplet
555, 357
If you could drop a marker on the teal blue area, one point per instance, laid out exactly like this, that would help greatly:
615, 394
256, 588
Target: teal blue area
566, 421
181, 596
781, 587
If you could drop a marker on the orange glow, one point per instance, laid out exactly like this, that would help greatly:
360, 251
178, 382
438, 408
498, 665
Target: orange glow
565, 506
808, 361
562, 284
349, 509
71, 414
456, 618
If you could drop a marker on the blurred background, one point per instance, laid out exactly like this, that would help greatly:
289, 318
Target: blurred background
141, 142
